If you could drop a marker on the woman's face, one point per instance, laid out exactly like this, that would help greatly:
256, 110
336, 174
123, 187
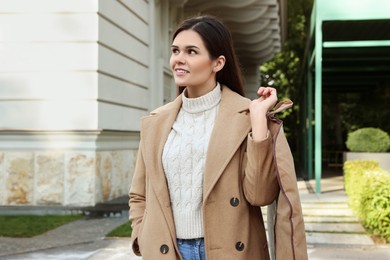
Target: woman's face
191, 64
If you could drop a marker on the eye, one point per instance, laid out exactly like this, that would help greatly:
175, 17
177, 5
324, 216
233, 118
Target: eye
192, 52
175, 50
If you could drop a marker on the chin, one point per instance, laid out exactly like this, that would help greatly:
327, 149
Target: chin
181, 83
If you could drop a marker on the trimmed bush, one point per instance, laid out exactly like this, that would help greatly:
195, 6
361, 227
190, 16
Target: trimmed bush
353, 175
368, 190
371, 140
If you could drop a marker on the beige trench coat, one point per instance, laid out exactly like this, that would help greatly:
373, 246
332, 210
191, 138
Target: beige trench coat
240, 175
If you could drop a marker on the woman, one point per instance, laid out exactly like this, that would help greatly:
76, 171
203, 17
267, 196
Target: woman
207, 161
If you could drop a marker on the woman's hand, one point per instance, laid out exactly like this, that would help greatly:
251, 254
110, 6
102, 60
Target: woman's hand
266, 101
258, 110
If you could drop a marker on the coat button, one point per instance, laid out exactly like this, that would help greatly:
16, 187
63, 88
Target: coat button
240, 246
234, 202
164, 249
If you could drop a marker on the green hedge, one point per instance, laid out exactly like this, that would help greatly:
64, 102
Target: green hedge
368, 190
369, 139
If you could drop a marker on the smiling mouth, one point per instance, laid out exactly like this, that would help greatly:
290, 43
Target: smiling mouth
181, 71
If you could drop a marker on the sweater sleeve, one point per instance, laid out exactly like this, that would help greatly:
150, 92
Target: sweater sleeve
260, 182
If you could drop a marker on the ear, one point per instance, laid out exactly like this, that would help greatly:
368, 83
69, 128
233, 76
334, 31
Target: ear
219, 63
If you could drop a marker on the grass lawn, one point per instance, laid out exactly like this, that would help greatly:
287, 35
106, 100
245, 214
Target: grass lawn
121, 231
32, 225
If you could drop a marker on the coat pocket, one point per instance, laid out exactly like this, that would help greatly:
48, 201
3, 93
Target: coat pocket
140, 231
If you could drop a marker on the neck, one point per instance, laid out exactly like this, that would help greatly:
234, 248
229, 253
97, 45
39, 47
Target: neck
198, 91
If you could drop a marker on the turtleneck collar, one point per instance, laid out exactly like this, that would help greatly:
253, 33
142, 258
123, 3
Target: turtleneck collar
202, 103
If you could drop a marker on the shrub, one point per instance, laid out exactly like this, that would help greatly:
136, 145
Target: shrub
354, 173
368, 139
368, 190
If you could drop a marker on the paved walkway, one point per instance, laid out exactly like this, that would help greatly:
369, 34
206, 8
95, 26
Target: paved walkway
332, 232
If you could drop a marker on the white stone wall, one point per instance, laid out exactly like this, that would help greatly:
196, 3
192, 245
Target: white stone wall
64, 177
107, 185
49, 62
124, 93
65, 168
78, 64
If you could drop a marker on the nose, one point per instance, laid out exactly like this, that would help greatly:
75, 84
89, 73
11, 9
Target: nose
178, 58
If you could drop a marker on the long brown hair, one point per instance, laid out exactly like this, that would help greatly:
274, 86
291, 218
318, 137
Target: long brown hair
218, 41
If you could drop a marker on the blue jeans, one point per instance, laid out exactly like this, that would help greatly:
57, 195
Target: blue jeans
192, 249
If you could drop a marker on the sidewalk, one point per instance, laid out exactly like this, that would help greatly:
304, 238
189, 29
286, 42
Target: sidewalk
332, 232
81, 239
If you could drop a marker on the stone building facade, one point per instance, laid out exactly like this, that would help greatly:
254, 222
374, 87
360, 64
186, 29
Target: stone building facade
76, 76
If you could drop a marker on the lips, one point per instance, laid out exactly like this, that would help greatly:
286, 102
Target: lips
181, 71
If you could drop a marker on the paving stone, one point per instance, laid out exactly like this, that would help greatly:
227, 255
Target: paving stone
104, 249
80, 231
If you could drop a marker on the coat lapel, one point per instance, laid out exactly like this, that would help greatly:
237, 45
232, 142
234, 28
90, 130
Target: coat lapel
155, 130
231, 128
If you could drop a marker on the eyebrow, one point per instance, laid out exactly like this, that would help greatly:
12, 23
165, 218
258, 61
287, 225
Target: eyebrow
187, 47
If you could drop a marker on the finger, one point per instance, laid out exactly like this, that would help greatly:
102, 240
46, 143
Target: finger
260, 91
267, 92
271, 91
264, 91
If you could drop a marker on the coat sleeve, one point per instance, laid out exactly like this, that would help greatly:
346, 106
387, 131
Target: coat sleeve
137, 200
260, 184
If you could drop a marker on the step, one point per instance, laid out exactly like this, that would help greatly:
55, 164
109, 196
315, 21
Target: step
335, 227
325, 205
322, 211
327, 212
320, 205
338, 239
332, 197
330, 219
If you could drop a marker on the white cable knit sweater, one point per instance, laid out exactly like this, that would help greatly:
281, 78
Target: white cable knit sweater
184, 158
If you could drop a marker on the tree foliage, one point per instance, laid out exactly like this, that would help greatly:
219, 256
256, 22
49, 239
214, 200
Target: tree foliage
284, 71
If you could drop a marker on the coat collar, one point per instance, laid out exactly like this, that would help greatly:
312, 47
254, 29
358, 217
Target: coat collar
230, 129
